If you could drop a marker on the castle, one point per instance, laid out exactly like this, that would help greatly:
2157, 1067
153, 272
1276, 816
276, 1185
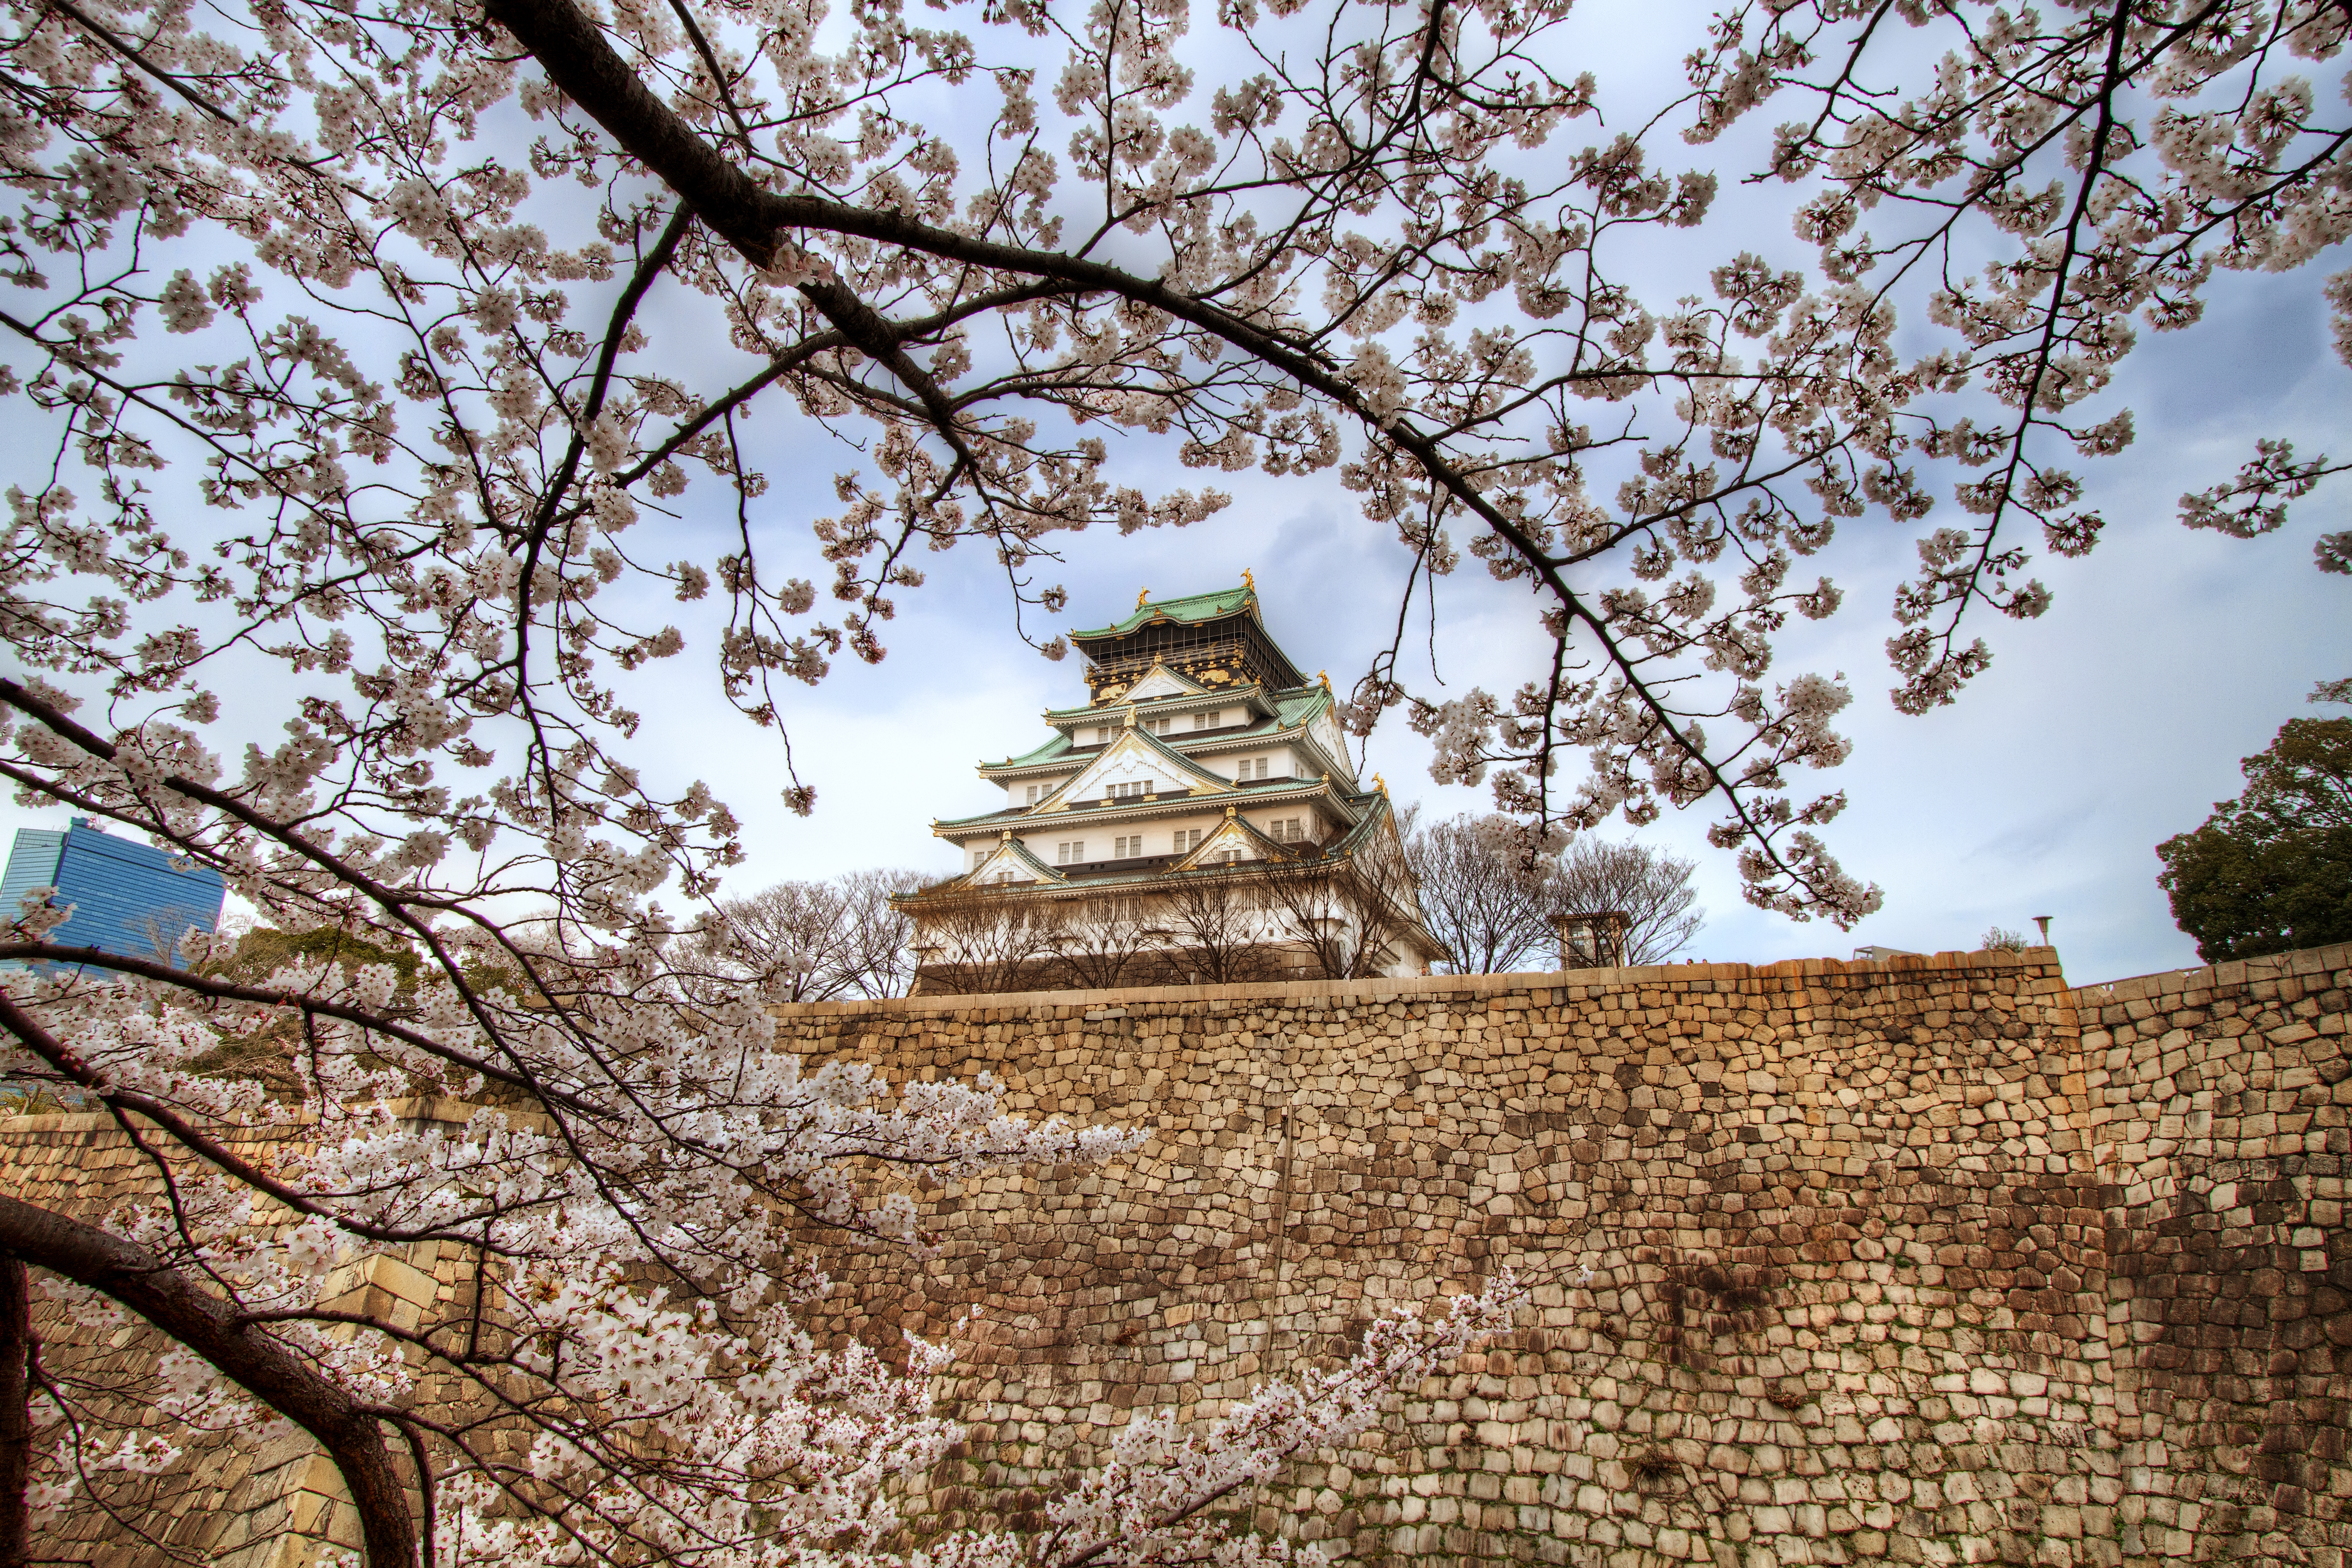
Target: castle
1197, 819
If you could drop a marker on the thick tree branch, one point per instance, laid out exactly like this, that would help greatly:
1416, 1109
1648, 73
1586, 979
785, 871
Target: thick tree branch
120, 45
246, 1356
15, 1418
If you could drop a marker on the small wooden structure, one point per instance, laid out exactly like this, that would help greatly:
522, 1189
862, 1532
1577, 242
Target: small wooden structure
1595, 941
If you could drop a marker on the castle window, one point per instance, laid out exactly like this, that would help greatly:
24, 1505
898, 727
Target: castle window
1188, 839
1205, 721
1286, 831
1249, 768
1070, 853
1132, 790
1033, 794
1102, 736
1124, 847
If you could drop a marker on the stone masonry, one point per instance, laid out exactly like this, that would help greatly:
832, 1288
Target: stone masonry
1932, 1260
1925, 1261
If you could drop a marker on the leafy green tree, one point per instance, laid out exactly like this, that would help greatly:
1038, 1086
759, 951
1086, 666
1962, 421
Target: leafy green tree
261, 952
2272, 870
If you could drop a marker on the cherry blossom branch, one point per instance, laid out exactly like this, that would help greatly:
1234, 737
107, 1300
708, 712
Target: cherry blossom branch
64, 1062
113, 40
293, 1000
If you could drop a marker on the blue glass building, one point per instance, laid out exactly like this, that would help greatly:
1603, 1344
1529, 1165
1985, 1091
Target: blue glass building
128, 897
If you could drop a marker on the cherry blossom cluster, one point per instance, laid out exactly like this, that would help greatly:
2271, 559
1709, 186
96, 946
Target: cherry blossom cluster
623, 1376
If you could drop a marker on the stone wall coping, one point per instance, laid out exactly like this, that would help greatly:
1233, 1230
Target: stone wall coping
1375, 992
2227, 975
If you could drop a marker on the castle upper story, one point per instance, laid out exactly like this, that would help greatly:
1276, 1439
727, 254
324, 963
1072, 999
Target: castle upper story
1200, 744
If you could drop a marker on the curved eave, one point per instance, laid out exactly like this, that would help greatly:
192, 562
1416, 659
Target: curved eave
1208, 744
1145, 808
1253, 695
1060, 745
1004, 817
997, 773
1309, 699
1244, 602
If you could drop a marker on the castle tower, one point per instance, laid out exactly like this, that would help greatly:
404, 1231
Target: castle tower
1205, 767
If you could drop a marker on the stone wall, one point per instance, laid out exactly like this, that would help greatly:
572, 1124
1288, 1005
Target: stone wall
2218, 1107
1927, 1260
1889, 1262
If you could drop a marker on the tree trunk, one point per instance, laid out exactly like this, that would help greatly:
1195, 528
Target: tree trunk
247, 1357
15, 1418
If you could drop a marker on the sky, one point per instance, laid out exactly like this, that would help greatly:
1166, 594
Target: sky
2116, 721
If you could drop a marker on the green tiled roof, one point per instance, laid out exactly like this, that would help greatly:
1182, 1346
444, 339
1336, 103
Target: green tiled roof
1047, 753
1299, 704
1198, 607
1006, 816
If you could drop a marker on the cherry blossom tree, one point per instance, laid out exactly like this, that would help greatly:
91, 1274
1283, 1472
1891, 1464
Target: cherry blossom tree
368, 365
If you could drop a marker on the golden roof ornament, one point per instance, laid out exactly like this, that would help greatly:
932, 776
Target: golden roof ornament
1008, 837
1325, 676
1247, 581
1130, 719
1380, 784
1140, 595
1229, 814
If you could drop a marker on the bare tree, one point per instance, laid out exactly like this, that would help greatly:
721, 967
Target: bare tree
787, 940
1497, 897
880, 934
1109, 942
1649, 887
971, 943
1348, 911
806, 942
1487, 900
1218, 925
